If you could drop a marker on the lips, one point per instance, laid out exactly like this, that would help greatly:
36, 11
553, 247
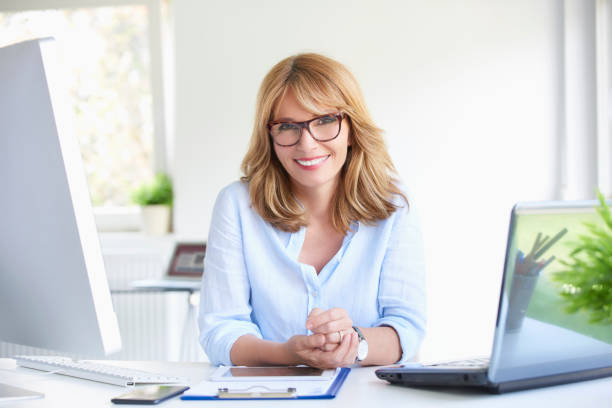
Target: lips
311, 161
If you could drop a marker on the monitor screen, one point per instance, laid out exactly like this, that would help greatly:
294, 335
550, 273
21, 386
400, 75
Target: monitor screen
53, 288
554, 314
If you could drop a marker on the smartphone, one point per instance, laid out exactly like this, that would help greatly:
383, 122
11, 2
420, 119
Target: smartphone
151, 394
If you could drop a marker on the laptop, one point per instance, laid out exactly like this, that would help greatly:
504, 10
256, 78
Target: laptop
184, 272
553, 322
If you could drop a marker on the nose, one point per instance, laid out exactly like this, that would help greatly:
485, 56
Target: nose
306, 140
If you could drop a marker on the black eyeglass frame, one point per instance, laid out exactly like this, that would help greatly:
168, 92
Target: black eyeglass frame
306, 125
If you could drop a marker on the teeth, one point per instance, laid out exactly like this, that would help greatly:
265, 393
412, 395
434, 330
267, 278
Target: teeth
311, 162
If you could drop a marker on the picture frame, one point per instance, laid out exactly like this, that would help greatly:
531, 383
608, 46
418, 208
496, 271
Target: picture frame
187, 259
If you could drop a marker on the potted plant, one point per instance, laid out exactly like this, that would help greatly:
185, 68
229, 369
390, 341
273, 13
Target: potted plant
586, 281
155, 200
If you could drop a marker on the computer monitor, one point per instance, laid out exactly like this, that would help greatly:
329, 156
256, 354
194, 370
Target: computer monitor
54, 292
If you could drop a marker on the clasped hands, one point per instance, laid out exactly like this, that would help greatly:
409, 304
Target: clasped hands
333, 343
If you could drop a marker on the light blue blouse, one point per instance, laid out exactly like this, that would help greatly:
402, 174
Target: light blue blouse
254, 284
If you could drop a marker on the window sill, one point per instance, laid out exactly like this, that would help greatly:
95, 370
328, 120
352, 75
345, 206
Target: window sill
117, 219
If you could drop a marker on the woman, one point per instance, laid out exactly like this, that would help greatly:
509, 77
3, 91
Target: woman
315, 256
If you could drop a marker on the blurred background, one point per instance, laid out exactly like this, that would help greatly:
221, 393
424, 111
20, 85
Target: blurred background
484, 103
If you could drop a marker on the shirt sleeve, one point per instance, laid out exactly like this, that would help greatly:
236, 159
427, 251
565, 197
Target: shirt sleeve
225, 309
401, 296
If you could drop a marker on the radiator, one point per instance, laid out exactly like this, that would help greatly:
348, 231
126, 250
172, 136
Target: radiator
153, 325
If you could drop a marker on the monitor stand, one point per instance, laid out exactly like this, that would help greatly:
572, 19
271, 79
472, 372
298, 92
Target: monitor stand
10, 393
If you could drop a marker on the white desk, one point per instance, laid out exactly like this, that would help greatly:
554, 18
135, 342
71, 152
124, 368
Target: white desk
361, 389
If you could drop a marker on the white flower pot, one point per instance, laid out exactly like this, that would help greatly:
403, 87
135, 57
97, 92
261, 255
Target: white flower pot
155, 219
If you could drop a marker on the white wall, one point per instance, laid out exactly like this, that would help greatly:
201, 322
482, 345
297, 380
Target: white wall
466, 91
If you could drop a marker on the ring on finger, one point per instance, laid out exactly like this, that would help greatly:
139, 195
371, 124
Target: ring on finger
341, 335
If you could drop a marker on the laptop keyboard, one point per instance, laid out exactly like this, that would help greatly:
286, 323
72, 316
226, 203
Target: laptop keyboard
480, 362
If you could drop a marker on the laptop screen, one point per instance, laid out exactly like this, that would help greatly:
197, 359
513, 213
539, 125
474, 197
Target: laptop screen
556, 302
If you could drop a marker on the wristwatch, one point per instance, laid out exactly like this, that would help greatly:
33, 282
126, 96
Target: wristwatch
362, 349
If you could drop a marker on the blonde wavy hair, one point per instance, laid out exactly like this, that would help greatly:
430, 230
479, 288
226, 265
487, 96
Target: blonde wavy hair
367, 185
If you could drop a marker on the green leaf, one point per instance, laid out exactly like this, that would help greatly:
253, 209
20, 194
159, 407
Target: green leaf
159, 191
588, 271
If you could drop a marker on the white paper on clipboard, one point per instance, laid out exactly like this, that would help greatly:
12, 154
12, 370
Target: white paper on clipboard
269, 374
303, 386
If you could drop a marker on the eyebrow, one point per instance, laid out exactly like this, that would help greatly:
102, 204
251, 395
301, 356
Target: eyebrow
293, 120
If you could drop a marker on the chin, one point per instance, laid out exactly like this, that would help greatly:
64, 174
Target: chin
312, 182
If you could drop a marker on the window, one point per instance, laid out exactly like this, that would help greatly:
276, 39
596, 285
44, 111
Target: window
603, 70
114, 85
586, 142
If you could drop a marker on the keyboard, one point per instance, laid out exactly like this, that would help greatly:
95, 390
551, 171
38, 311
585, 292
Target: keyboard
95, 371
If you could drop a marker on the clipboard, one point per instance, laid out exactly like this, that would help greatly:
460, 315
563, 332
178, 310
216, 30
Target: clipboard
259, 392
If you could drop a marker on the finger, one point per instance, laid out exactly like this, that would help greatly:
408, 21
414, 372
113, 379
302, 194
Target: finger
337, 356
329, 347
317, 358
315, 311
315, 320
333, 337
311, 342
351, 355
334, 326
337, 336
332, 320
327, 359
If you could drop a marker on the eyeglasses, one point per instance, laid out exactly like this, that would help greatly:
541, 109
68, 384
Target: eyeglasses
322, 128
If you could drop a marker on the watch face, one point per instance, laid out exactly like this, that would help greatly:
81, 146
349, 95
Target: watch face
362, 350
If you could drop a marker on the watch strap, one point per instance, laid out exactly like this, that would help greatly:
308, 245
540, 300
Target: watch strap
362, 343
359, 333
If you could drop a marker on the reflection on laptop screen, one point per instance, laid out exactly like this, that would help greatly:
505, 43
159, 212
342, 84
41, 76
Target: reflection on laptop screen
555, 314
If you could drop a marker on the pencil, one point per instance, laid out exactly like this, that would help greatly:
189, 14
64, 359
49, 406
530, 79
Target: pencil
550, 243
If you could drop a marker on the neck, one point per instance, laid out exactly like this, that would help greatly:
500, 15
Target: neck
317, 200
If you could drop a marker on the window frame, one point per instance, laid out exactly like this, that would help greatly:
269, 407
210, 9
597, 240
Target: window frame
127, 218
603, 75
585, 109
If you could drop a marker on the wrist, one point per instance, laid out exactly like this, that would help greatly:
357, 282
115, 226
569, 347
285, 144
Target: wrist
362, 350
290, 356
251, 351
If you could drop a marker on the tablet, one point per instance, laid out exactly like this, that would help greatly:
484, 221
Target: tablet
299, 373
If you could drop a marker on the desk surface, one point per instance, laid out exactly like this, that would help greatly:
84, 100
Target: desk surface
362, 389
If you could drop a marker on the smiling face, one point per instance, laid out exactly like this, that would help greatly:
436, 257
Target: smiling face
312, 165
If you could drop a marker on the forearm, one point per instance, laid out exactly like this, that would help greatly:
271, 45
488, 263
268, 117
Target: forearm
384, 346
249, 350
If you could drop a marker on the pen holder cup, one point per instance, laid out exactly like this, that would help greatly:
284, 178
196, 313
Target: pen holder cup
520, 296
